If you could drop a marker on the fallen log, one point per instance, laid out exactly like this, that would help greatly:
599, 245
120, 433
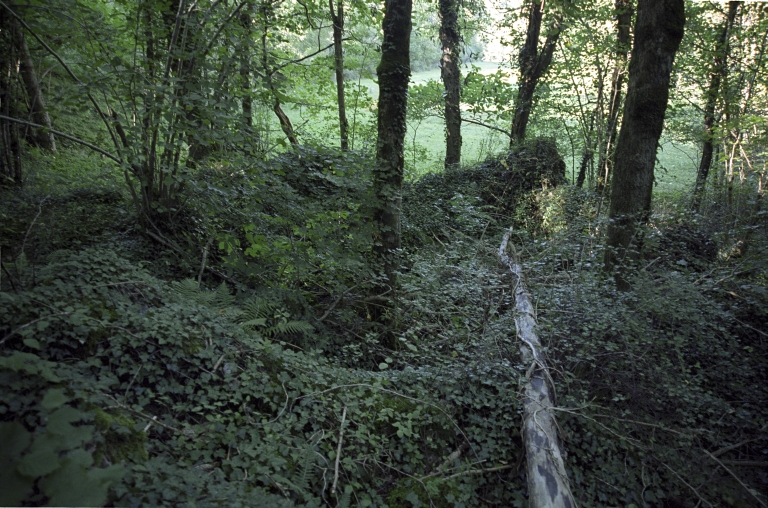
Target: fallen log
548, 484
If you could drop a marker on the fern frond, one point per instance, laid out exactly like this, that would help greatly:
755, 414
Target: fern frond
256, 308
221, 298
187, 290
254, 323
289, 327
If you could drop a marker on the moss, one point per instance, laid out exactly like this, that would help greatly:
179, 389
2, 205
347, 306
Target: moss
121, 441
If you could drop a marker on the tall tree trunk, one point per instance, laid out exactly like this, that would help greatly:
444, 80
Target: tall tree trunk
623, 20
338, 31
245, 71
36, 103
393, 72
533, 64
10, 148
658, 32
449, 71
719, 69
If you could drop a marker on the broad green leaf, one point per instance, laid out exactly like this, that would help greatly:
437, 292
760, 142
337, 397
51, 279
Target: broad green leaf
54, 399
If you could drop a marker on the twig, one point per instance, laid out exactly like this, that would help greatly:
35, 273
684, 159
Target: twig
479, 471
751, 493
120, 283
353, 385
285, 406
10, 277
218, 362
333, 305
655, 426
687, 484
31, 323
31, 224
170, 244
63, 135
754, 463
338, 452
153, 419
205, 258
286, 64
447, 462
221, 27
481, 124
751, 327
733, 447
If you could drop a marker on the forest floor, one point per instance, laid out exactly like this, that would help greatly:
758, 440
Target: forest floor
197, 374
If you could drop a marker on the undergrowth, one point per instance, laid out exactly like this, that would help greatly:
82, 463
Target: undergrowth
238, 365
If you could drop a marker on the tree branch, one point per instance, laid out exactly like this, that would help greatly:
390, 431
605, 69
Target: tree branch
481, 124
286, 64
66, 136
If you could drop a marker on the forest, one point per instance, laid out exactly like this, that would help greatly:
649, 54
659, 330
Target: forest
398, 253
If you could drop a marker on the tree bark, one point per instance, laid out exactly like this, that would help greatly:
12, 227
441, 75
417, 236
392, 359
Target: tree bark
719, 69
533, 64
623, 21
449, 71
338, 32
245, 71
37, 106
393, 72
658, 32
548, 484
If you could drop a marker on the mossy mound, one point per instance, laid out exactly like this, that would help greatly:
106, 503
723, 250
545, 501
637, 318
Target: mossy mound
472, 200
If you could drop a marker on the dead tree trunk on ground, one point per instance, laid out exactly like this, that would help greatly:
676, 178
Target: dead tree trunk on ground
547, 479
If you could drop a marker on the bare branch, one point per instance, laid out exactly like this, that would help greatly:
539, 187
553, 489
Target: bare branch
487, 126
66, 136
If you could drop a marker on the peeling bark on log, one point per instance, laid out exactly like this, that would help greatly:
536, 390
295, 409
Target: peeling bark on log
548, 484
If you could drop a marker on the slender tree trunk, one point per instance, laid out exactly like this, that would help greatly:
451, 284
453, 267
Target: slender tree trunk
449, 71
393, 72
37, 105
719, 68
338, 32
533, 64
589, 143
658, 32
623, 21
285, 122
245, 71
10, 148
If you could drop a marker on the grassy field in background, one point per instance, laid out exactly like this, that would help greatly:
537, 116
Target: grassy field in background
425, 141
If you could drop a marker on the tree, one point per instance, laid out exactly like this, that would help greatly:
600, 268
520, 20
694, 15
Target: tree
719, 68
37, 108
337, 18
658, 32
623, 21
533, 64
393, 72
449, 71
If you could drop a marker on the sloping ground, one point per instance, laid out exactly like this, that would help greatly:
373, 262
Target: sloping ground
148, 388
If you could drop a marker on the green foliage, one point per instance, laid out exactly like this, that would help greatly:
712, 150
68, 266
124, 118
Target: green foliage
168, 371
652, 377
47, 443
